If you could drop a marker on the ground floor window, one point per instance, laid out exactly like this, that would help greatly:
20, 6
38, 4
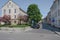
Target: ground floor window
59, 22
14, 21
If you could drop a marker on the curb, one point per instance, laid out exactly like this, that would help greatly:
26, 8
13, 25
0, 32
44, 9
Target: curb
58, 33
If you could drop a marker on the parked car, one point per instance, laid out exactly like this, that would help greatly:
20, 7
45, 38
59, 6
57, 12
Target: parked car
37, 26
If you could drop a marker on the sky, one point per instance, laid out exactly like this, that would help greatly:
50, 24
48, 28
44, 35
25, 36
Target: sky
43, 5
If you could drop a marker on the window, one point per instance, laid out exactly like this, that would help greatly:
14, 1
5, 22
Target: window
14, 21
55, 14
59, 2
14, 16
4, 11
15, 11
9, 11
58, 12
59, 22
9, 2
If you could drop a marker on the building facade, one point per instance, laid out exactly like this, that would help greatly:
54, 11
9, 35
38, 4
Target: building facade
12, 9
55, 13
48, 17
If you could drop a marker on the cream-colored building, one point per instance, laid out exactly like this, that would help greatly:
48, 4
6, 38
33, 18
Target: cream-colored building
55, 13
12, 9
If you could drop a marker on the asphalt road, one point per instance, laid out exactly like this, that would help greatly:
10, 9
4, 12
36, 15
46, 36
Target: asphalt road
35, 34
28, 36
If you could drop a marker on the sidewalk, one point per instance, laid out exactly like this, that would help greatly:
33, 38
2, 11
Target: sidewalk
7, 29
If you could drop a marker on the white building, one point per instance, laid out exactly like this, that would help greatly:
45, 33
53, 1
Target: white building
12, 9
55, 13
48, 17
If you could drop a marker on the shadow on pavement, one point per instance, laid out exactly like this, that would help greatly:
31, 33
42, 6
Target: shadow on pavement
49, 27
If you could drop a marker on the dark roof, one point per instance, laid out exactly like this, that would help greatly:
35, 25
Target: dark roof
22, 10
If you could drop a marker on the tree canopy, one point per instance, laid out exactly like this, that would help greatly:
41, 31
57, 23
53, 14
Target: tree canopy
34, 13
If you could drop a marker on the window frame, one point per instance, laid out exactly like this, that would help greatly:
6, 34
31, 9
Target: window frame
14, 10
14, 16
9, 11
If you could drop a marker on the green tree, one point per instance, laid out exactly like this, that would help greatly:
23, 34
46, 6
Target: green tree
34, 13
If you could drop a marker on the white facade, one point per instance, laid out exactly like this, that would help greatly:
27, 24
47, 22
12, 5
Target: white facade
48, 17
55, 13
12, 9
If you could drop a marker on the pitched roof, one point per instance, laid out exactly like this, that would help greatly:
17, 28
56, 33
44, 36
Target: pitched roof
53, 3
15, 3
22, 10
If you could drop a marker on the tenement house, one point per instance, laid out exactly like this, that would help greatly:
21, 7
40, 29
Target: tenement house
12, 9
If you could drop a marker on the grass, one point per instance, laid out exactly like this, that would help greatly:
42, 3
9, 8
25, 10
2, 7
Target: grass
20, 26
15, 26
